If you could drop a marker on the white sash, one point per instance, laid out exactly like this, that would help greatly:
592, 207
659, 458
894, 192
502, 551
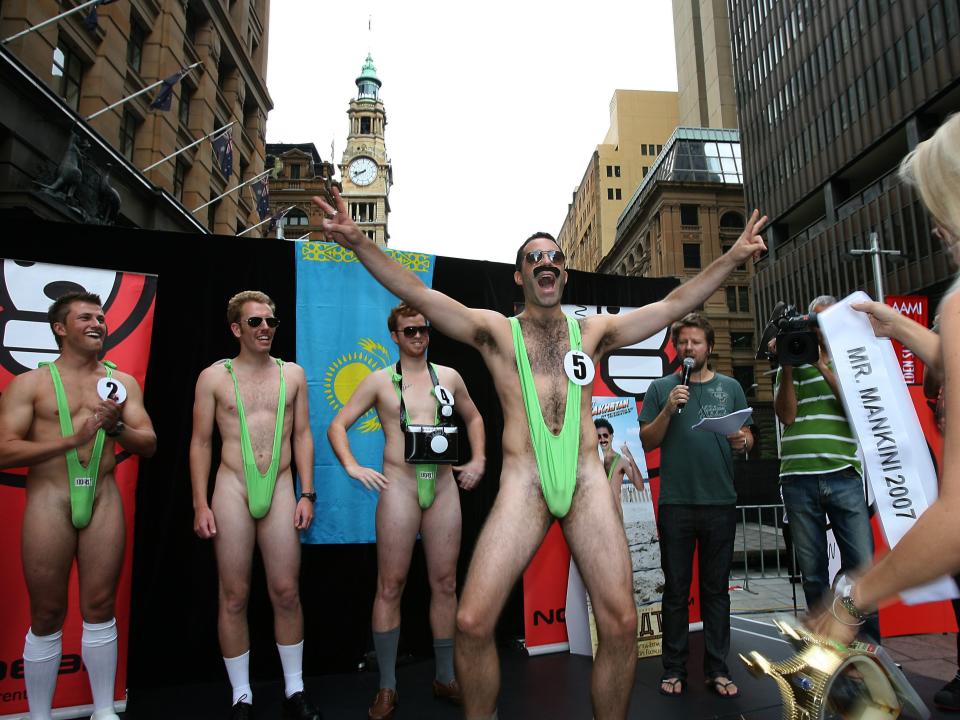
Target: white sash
897, 460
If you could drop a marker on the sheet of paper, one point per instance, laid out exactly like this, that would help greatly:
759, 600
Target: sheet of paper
725, 425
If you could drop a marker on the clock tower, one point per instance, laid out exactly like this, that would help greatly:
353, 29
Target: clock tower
365, 170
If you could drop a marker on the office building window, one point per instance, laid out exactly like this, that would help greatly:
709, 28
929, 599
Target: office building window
732, 298
616, 194
743, 295
616, 171
179, 178
744, 374
691, 255
646, 169
609, 193
183, 111
643, 149
128, 134
296, 217
690, 215
295, 171
741, 341
609, 170
135, 44
68, 67
364, 126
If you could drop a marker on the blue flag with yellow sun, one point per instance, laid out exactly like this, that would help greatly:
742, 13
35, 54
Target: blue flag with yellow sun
342, 337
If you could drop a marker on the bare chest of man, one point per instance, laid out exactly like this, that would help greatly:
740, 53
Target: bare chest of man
546, 347
259, 393
82, 400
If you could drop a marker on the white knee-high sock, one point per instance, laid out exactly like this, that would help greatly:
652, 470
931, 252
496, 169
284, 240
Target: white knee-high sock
291, 658
99, 651
238, 670
41, 663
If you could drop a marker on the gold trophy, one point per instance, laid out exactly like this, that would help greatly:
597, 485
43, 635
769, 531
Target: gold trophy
825, 680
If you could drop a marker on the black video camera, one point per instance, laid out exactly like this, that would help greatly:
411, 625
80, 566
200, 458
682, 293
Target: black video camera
438, 444
797, 342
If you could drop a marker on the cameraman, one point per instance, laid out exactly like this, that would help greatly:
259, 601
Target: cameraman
412, 501
820, 472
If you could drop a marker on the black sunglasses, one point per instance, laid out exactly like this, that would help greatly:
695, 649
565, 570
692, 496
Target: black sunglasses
414, 330
272, 322
555, 256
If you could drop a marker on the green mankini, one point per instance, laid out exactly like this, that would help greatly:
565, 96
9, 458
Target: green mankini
696, 468
83, 480
260, 485
556, 455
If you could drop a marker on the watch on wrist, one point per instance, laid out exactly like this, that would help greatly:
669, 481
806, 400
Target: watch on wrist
844, 591
118, 428
311, 496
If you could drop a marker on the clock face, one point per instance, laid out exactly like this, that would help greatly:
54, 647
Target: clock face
363, 171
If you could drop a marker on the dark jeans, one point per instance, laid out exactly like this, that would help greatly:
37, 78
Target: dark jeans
811, 499
710, 529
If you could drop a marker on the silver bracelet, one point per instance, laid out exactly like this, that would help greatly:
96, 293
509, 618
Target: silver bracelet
833, 611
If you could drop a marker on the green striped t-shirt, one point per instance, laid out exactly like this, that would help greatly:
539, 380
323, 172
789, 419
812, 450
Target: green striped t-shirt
820, 439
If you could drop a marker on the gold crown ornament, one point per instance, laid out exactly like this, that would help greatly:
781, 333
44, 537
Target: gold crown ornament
825, 680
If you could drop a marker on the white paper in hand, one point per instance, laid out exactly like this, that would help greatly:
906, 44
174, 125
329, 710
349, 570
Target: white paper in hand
726, 424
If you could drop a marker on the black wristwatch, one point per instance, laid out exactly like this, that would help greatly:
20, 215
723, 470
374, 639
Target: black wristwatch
311, 496
118, 428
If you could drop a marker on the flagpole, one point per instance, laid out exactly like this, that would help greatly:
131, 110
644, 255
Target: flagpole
231, 190
264, 222
33, 28
148, 88
187, 147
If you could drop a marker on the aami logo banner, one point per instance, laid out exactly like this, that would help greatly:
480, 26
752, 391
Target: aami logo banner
26, 291
915, 308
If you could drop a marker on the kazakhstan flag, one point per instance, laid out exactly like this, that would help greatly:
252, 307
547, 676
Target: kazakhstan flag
342, 337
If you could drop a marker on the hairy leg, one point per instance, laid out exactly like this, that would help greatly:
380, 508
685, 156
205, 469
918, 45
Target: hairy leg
233, 544
398, 519
440, 528
513, 532
48, 546
279, 544
100, 556
594, 531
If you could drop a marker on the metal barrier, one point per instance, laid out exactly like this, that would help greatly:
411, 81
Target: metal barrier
756, 539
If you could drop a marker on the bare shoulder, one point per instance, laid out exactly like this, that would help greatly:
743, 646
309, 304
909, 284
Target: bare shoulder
292, 371
26, 384
126, 378
209, 377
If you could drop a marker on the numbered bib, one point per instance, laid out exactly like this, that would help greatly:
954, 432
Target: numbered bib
579, 367
109, 388
83, 482
445, 398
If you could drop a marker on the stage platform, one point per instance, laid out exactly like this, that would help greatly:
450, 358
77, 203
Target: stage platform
554, 687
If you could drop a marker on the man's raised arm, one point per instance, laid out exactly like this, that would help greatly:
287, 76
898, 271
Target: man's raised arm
632, 327
450, 317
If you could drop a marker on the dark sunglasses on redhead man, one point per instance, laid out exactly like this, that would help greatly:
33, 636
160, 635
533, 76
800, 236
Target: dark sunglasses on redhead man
555, 256
272, 322
414, 330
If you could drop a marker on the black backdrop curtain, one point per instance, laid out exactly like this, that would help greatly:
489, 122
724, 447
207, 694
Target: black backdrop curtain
173, 633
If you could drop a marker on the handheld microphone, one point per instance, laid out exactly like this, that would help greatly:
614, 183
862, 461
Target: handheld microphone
685, 379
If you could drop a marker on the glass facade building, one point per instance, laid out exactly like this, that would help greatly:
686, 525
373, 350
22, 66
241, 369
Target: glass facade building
831, 95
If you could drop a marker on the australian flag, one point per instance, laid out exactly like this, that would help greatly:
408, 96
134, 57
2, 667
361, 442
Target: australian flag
223, 150
164, 98
90, 19
261, 193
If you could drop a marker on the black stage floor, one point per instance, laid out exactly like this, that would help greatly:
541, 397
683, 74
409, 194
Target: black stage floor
554, 687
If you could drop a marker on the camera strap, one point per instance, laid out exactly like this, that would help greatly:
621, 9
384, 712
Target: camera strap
426, 472
398, 383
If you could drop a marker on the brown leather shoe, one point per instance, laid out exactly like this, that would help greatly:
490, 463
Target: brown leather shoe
383, 705
450, 692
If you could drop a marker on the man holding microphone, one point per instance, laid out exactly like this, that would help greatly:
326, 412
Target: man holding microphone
697, 506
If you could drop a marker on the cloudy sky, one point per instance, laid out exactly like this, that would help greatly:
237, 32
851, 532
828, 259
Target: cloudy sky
493, 109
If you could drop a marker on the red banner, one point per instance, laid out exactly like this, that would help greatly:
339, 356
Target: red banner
915, 308
26, 290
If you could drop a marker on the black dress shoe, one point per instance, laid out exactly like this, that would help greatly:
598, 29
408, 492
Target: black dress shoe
241, 711
297, 707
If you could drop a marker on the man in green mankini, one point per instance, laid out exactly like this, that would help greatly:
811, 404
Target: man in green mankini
259, 404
